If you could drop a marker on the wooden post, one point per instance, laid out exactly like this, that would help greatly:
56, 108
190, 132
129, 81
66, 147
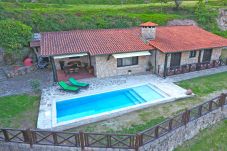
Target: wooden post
6, 135
55, 75
200, 110
108, 137
222, 100
185, 117
156, 132
210, 105
138, 141
55, 138
165, 65
82, 140
170, 124
27, 137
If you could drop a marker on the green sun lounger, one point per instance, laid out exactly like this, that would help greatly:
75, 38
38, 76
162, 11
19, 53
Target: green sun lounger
67, 87
76, 83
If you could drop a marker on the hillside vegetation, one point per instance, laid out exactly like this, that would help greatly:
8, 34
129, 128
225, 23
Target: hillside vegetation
55, 17
61, 15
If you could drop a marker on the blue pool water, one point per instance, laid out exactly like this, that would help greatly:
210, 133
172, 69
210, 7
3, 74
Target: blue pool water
109, 101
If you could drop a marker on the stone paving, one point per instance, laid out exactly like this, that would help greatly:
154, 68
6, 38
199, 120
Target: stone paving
98, 85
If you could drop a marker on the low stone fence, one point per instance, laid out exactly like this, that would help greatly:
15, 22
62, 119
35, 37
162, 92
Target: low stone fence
162, 137
10, 73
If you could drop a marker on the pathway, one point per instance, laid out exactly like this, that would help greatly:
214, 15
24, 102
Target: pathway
186, 76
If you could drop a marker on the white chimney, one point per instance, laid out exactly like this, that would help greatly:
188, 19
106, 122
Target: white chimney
148, 30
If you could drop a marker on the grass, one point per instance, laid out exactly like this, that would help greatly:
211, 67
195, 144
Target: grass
19, 111
206, 85
204, 88
210, 139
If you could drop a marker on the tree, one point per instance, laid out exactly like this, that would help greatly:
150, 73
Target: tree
201, 12
163, 1
178, 3
14, 36
204, 15
224, 2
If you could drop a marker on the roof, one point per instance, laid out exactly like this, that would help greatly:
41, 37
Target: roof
96, 42
35, 43
148, 24
109, 41
185, 38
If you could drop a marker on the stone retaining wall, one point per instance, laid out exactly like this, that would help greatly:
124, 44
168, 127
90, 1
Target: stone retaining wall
20, 71
25, 147
175, 138
167, 142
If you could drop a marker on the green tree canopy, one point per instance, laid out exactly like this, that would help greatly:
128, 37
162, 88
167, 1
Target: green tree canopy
204, 15
178, 3
14, 35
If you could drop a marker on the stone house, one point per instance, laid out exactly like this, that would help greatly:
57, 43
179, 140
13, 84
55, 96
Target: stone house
162, 50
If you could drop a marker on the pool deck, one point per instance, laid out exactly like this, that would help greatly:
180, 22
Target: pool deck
99, 85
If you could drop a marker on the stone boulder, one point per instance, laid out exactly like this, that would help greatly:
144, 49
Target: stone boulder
222, 19
182, 22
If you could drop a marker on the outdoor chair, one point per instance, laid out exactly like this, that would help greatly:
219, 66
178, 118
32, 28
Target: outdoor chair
67, 87
76, 83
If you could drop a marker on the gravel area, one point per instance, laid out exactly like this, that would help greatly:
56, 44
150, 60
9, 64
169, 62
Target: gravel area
22, 84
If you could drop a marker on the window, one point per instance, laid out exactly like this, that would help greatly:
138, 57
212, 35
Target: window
192, 54
121, 62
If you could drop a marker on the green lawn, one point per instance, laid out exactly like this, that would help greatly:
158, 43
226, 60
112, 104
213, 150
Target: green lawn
19, 111
205, 85
210, 139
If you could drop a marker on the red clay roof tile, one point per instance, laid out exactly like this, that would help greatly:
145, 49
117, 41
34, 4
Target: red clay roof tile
108, 41
185, 38
96, 42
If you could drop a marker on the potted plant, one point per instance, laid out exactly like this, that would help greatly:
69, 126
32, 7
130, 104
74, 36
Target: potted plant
129, 72
90, 69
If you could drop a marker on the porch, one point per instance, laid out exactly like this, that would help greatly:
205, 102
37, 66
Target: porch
77, 66
190, 61
195, 67
80, 74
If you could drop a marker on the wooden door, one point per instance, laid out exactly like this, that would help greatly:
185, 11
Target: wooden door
175, 59
207, 53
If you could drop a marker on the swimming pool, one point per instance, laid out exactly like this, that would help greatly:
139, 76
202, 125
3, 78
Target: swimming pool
72, 109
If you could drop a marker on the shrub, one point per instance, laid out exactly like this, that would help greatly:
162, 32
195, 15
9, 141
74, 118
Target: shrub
35, 84
205, 16
14, 35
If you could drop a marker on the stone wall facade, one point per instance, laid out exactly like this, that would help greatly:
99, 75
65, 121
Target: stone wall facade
105, 67
177, 137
